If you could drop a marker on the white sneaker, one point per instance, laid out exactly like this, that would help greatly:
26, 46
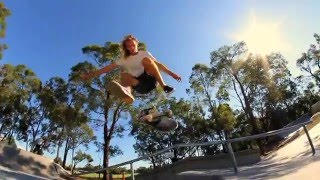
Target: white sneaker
121, 92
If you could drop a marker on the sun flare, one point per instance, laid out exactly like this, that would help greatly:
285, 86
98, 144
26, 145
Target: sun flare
262, 37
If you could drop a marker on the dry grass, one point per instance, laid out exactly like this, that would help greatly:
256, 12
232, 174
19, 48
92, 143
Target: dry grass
94, 176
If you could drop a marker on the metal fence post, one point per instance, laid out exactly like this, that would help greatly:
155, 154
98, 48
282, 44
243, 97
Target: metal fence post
233, 158
132, 171
309, 139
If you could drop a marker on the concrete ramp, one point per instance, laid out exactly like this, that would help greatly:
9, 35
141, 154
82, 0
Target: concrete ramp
292, 161
16, 163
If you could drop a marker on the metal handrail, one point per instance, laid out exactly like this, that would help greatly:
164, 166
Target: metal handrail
228, 142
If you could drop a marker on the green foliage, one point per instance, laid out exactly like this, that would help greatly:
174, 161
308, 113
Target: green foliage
4, 13
18, 88
142, 170
80, 156
81, 135
310, 60
226, 120
64, 107
117, 170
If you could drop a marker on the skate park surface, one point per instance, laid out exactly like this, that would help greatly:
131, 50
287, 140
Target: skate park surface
294, 160
16, 163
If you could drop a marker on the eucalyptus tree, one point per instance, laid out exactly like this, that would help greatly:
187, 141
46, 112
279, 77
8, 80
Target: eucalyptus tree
4, 13
309, 62
18, 88
245, 77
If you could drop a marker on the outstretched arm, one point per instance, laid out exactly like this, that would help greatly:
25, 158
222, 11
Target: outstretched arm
165, 69
100, 71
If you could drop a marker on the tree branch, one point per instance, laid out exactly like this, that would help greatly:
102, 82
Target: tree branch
101, 113
238, 95
115, 119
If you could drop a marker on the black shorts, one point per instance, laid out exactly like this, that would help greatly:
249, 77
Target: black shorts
146, 83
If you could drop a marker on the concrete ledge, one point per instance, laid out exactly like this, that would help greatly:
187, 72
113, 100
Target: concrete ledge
218, 161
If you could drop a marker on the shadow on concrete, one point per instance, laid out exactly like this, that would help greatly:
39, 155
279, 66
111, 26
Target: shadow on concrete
266, 170
10, 158
277, 169
270, 167
17, 161
14, 175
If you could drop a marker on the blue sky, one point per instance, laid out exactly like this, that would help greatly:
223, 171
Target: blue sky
47, 36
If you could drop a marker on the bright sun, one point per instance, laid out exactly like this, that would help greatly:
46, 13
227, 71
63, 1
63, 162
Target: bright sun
262, 37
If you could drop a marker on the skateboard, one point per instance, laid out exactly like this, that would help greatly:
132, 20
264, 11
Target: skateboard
161, 121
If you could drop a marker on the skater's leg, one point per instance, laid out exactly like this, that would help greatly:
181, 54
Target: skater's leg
152, 69
127, 80
122, 89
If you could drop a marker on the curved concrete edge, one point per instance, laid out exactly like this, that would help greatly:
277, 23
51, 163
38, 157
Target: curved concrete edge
9, 174
17, 161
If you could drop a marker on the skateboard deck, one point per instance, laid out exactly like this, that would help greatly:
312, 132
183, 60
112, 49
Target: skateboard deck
160, 121
151, 116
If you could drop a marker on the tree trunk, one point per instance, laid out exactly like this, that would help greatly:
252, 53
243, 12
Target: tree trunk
153, 163
106, 152
59, 144
10, 137
253, 123
5, 136
58, 150
27, 143
224, 148
226, 134
72, 161
252, 120
255, 130
73, 168
65, 153
175, 158
1, 129
106, 138
108, 132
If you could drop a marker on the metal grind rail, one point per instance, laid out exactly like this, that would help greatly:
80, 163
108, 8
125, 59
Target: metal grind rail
227, 142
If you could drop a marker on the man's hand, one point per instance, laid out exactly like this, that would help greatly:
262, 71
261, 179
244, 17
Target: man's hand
176, 77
